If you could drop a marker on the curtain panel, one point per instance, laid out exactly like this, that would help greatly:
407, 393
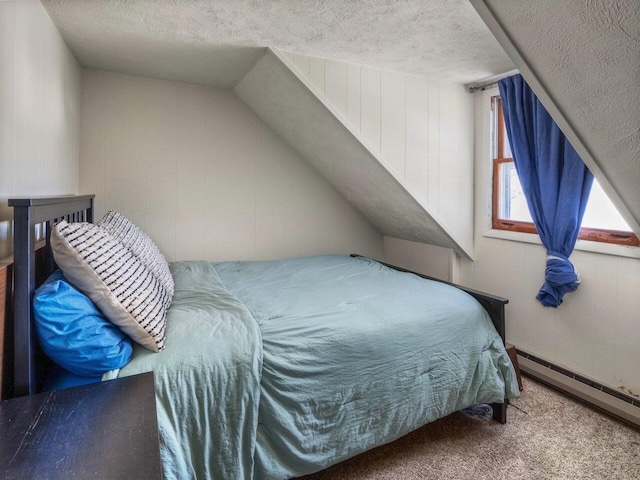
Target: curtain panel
555, 181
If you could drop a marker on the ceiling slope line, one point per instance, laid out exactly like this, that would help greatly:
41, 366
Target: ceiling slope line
289, 104
543, 93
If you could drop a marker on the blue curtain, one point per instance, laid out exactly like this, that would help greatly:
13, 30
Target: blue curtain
555, 181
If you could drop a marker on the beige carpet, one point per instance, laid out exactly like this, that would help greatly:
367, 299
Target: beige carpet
548, 436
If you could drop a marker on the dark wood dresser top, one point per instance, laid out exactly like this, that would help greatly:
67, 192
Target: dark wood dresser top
105, 430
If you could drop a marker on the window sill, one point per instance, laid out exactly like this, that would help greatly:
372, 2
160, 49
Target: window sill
582, 245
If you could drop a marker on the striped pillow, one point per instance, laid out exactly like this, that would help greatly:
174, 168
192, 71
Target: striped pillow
128, 294
141, 246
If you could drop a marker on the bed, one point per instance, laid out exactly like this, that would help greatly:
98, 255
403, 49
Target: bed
278, 369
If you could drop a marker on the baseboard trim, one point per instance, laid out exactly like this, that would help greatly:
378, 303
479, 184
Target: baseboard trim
613, 402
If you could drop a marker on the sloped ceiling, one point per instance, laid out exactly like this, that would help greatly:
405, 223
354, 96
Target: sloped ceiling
579, 56
582, 58
215, 42
284, 102
218, 44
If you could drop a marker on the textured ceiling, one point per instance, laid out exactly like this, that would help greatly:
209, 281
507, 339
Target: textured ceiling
582, 59
215, 42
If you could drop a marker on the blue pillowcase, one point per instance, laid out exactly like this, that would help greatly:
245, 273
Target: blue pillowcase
59, 379
74, 333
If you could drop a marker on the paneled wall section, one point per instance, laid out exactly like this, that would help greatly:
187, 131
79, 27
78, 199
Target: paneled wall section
422, 128
195, 168
39, 110
437, 262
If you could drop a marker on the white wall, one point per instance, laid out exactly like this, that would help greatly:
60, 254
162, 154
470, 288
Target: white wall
196, 169
596, 331
437, 262
39, 110
422, 128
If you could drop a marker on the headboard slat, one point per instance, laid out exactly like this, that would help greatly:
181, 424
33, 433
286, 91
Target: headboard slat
43, 209
6, 352
29, 212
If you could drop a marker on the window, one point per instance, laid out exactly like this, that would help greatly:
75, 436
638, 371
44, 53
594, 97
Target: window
601, 222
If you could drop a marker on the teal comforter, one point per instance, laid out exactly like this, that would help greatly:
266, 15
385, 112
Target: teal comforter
279, 369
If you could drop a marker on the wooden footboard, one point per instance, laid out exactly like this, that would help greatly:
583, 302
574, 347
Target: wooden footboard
493, 304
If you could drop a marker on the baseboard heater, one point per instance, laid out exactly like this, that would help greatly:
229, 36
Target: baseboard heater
614, 402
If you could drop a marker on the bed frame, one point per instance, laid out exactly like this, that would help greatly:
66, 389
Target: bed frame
28, 274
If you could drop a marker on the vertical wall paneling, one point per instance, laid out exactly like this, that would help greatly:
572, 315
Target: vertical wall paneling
426, 259
370, 95
39, 109
7, 119
448, 147
336, 85
206, 179
133, 126
417, 133
595, 332
92, 166
422, 129
113, 175
303, 64
237, 196
456, 181
433, 192
27, 98
603, 352
317, 73
269, 174
570, 329
192, 178
464, 271
290, 56
627, 332
353, 96
393, 121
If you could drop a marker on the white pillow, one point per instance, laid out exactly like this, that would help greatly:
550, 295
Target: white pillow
128, 294
141, 246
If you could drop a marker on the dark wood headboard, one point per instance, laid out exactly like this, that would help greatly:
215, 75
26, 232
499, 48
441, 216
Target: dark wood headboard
6, 315
28, 273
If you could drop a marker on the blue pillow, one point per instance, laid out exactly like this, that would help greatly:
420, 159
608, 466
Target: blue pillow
59, 379
73, 332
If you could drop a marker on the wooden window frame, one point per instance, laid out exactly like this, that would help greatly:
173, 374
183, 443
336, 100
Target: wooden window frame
617, 237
